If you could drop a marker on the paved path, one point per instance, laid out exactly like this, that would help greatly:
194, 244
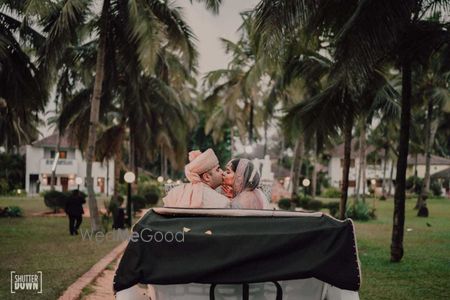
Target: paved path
74, 291
103, 285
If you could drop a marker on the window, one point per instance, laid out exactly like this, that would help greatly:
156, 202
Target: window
62, 154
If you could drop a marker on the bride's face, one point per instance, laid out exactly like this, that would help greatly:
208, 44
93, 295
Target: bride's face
228, 176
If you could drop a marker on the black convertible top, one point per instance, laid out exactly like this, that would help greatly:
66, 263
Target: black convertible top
226, 246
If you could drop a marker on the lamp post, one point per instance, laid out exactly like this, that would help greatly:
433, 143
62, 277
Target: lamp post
306, 182
78, 181
129, 178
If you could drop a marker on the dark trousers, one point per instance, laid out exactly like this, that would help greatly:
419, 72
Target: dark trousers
74, 223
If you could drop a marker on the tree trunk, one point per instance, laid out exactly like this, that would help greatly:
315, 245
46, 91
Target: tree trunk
363, 162
53, 178
296, 166
383, 186
94, 117
232, 140
402, 163
132, 160
416, 162
117, 164
391, 178
107, 177
166, 173
250, 123
429, 139
266, 125
346, 169
280, 156
361, 166
314, 171
161, 157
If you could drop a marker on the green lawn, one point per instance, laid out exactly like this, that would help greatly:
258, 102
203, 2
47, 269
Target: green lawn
424, 272
32, 205
33, 244
42, 243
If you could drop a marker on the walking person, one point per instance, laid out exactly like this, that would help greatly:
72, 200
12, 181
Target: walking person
74, 209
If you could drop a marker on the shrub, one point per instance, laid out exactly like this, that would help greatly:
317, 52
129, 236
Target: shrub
139, 202
414, 184
307, 203
4, 186
150, 191
436, 188
333, 207
332, 192
284, 204
360, 211
383, 198
12, 172
303, 202
55, 199
315, 205
11, 211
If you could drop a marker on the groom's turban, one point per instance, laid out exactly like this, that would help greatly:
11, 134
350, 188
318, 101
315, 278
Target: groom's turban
200, 163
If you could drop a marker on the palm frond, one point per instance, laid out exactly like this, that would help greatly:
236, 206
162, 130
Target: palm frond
61, 25
369, 36
212, 5
179, 34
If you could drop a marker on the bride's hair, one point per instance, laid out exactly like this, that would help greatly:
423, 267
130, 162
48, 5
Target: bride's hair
251, 176
234, 163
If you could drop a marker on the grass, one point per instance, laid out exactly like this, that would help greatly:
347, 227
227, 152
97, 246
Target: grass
32, 205
32, 244
424, 271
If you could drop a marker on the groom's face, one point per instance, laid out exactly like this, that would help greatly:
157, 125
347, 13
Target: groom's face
213, 177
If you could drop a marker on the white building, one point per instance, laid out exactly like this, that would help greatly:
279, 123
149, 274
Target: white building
39, 161
375, 167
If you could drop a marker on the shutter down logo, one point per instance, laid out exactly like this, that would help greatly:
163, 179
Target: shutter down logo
26, 282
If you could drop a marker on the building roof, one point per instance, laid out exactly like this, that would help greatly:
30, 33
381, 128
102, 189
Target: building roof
51, 141
338, 151
442, 174
435, 160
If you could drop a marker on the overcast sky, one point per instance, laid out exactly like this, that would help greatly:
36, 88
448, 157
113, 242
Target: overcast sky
209, 28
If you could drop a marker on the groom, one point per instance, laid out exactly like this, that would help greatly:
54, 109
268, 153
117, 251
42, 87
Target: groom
205, 176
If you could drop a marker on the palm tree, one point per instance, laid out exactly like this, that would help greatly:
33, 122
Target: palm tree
433, 88
23, 87
235, 91
372, 31
312, 68
131, 29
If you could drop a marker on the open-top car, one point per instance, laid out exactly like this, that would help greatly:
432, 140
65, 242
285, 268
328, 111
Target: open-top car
195, 254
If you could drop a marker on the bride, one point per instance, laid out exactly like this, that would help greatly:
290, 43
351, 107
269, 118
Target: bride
240, 184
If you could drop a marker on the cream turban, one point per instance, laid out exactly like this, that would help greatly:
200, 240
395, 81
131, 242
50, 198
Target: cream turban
191, 194
200, 163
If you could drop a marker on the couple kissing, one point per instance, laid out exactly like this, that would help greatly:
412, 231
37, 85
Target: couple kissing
210, 187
